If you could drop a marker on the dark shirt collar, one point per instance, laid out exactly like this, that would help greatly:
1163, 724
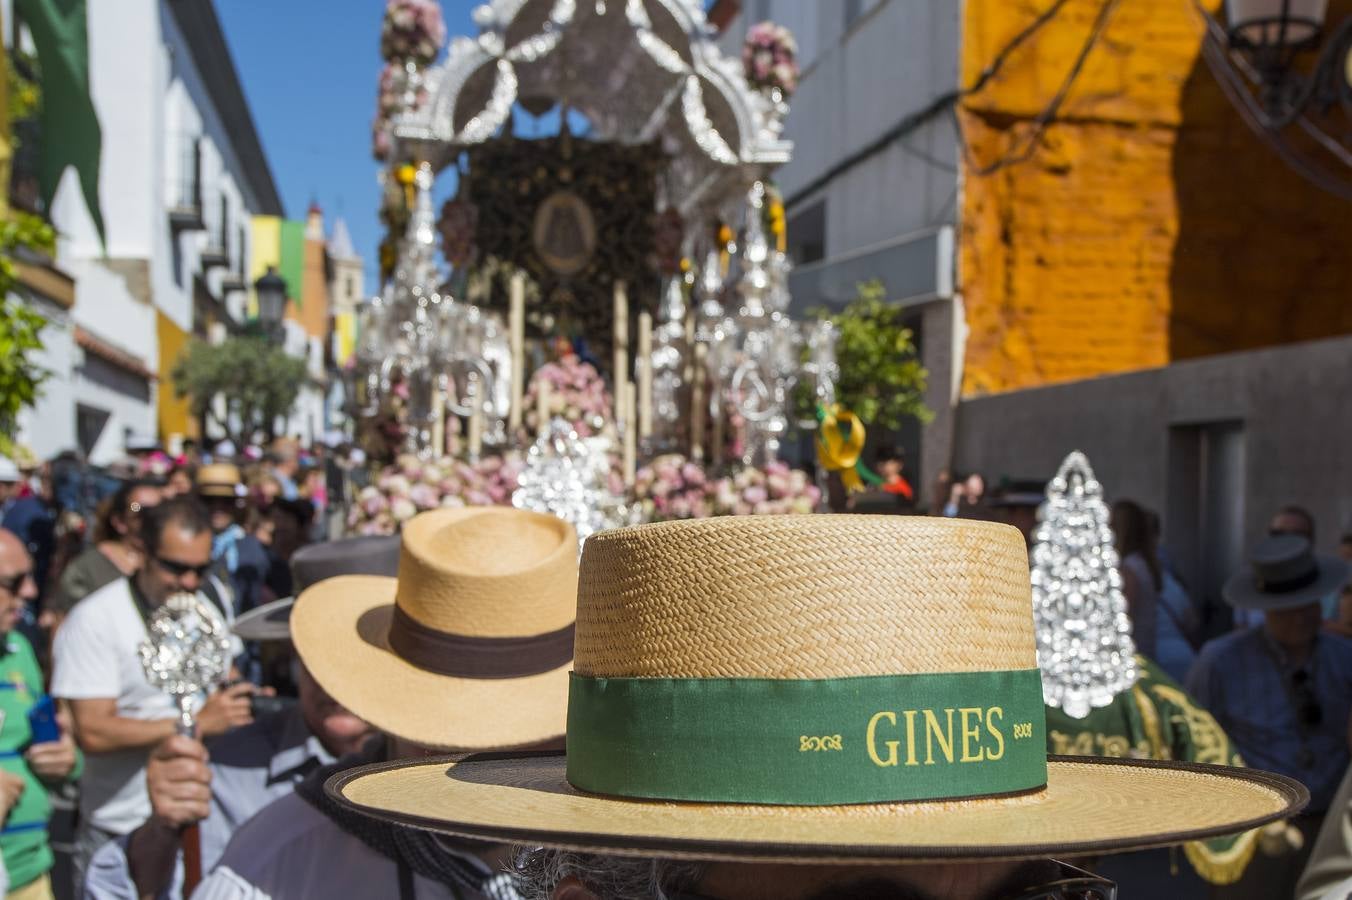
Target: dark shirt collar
298, 751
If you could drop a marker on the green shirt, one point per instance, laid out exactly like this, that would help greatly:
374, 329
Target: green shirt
23, 839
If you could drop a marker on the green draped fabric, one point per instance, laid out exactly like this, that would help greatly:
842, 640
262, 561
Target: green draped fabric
1157, 719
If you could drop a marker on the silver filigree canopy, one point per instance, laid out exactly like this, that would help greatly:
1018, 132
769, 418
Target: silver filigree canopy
638, 70
1084, 645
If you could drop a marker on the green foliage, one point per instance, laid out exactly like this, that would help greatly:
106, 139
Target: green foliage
255, 380
881, 378
20, 326
25, 95
20, 377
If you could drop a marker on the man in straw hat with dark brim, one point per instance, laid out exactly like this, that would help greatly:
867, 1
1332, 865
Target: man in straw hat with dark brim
469, 649
222, 783
789, 707
1283, 690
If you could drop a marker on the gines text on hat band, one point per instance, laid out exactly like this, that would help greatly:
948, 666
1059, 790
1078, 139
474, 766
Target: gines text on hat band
865, 739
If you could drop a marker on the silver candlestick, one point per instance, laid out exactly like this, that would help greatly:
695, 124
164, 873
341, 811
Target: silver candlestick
186, 652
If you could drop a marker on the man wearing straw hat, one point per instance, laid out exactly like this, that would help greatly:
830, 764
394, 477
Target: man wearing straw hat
469, 649
223, 782
1283, 690
790, 707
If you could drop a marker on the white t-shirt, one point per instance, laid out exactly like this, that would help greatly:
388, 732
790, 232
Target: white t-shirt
95, 657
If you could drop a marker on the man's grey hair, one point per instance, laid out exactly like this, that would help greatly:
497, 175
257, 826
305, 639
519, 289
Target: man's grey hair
539, 870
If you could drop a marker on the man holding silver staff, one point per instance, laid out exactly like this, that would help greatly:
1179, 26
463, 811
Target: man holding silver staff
118, 715
223, 782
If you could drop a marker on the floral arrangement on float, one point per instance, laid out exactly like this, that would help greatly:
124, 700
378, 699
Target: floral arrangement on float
572, 390
770, 59
410, 38
673, 487
670, 487
413, 31
412, 485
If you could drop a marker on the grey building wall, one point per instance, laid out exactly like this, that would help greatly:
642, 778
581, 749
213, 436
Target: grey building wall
1214, 445
867, 65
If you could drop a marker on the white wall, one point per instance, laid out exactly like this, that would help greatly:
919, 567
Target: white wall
125, 61
49, 427
128, 415
189, 113
105, 307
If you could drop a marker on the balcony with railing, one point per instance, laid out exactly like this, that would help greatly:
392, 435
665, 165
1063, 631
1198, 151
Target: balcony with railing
216, 253
185, 187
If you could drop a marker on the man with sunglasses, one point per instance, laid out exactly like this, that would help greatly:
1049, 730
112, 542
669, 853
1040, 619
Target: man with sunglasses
118, 715
1282, 690
27, 768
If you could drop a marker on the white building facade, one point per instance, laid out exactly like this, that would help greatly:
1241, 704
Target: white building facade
182, 174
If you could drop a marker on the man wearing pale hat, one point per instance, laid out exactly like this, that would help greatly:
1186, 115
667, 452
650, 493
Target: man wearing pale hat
792, 708
1283, 690
223, 782
240, 555
469, 649
10, 478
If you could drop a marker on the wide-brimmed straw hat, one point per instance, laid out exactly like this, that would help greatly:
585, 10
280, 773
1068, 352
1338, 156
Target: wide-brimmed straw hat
813, 689
469, 648
1284, 572
312, 564
220, 480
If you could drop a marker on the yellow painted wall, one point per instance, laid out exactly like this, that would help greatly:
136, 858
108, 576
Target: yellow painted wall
266, 251
1149, 225
174, 415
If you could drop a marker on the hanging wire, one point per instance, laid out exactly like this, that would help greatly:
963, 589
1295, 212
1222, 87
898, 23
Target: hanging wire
947, 103
1028, 147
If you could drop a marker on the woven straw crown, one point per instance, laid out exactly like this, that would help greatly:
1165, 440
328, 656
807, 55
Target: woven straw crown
458, 568
804, 597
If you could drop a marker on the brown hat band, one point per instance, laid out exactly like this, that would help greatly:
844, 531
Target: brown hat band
460, 656
1286, 585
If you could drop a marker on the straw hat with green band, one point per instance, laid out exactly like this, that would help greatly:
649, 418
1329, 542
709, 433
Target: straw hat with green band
813, 688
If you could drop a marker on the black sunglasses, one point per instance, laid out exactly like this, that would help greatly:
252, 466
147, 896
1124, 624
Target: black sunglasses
15, 582
1073, 884
1307, 704
178, 569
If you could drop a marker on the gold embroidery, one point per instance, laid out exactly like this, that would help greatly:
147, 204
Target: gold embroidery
1154, 745
1210, 745
824, 742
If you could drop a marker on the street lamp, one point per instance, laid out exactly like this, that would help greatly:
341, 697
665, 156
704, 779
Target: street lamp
1270, 34
1278, 25
1289, 102
271, 292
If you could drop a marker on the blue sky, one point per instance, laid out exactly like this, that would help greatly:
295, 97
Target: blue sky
309, 70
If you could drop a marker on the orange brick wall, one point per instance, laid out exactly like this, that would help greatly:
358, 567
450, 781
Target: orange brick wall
1149, 225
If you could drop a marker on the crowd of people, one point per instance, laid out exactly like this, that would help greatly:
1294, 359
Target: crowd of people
365, 655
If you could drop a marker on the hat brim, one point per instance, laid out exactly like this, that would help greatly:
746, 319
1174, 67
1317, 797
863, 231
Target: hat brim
340, 628
1240, 592
1090, 805
269, 622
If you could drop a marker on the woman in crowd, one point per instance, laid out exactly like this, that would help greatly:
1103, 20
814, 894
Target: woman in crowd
114, 554
1142, 580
